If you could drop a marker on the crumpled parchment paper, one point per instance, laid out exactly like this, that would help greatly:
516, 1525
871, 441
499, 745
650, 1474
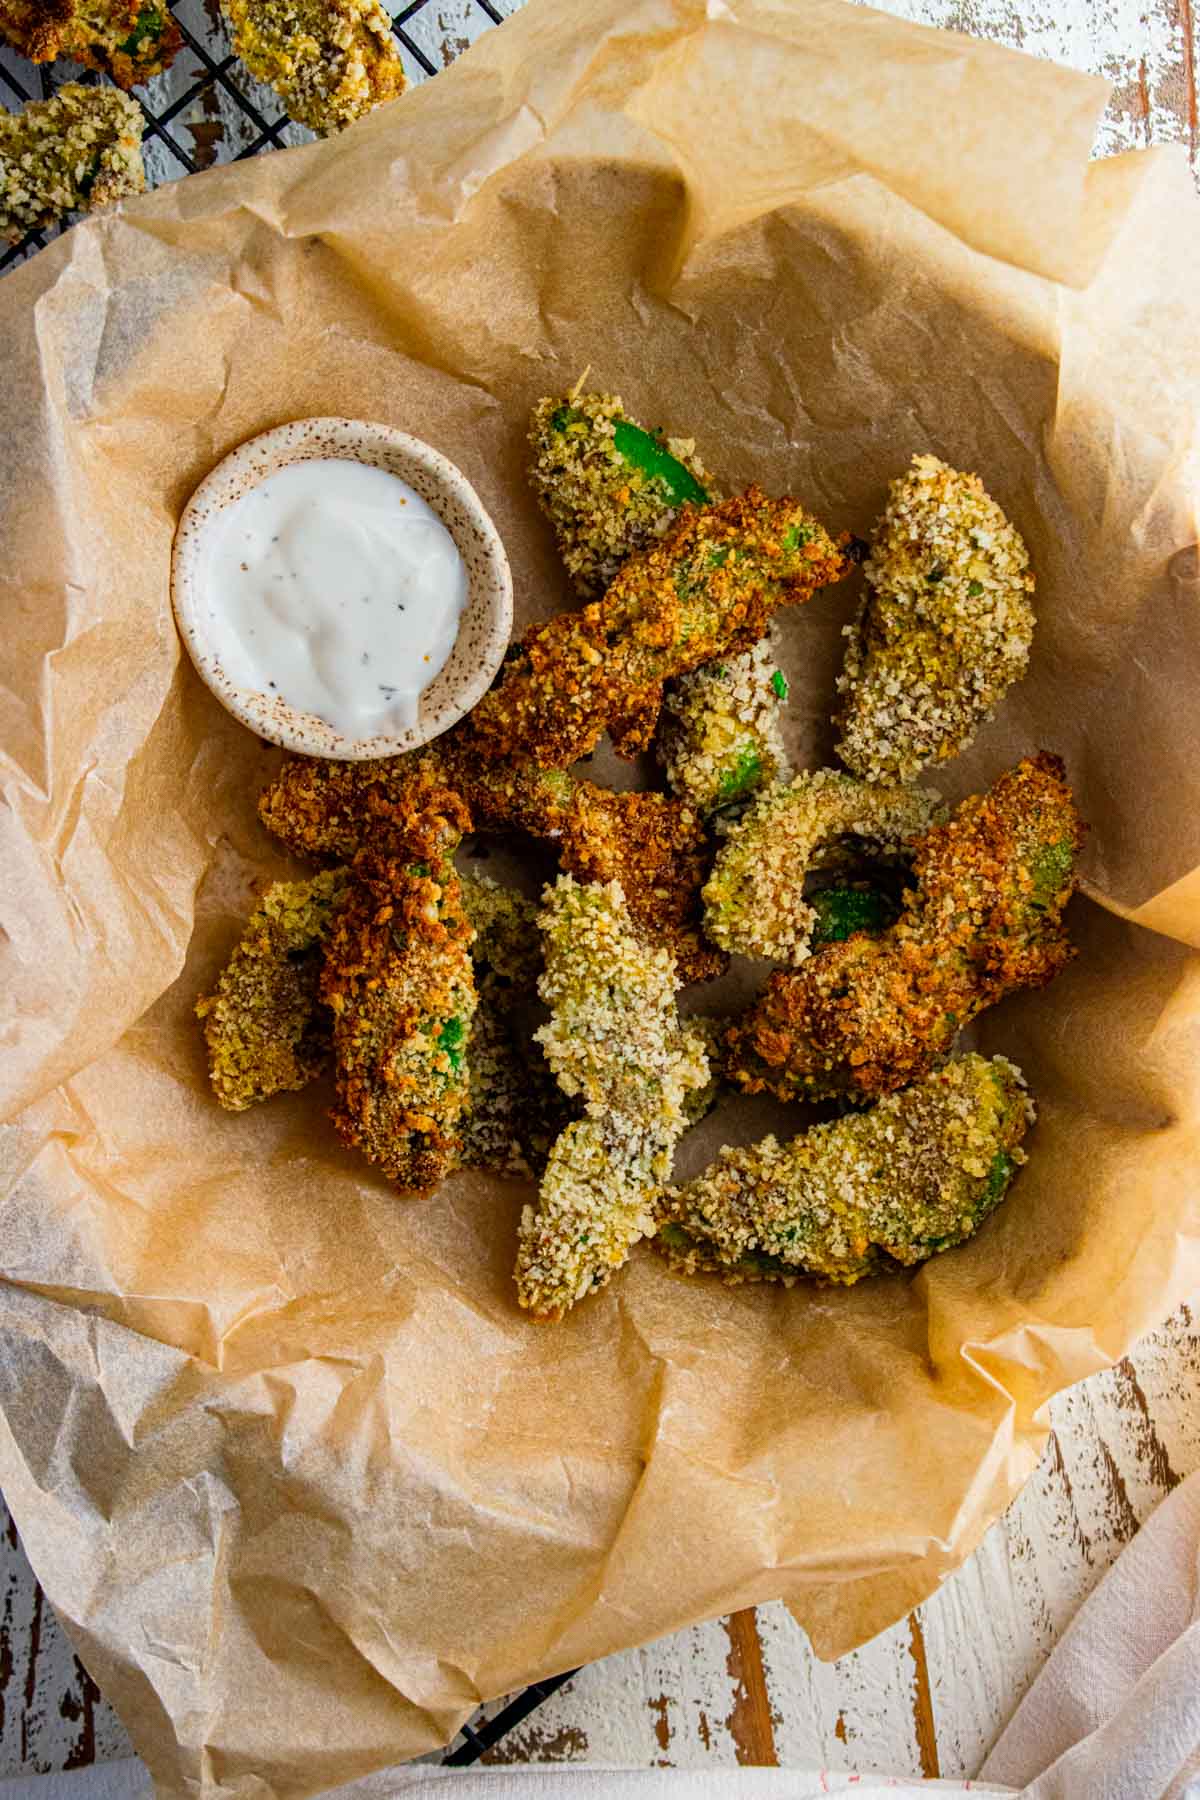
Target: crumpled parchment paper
303, 1482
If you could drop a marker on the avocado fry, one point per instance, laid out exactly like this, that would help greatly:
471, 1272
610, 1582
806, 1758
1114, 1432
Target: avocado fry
719, 739
944, 629
607, 485
420, 801
399, 983
984, 919
707, 588
265, 1031
330, 61
79, 151
915, 1175
128, 40
615, 1042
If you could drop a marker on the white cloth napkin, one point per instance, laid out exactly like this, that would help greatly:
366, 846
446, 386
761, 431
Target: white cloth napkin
1114, 1715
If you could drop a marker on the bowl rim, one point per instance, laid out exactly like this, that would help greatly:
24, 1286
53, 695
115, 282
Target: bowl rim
311, 736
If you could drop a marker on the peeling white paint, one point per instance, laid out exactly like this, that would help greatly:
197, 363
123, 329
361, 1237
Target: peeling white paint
1138, 45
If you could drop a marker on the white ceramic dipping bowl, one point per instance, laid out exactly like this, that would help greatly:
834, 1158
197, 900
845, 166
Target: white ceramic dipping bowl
483, 630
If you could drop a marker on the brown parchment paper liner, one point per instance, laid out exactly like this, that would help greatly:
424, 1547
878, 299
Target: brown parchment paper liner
304, 1484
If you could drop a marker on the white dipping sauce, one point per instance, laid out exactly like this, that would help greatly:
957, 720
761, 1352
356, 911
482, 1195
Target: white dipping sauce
336, 587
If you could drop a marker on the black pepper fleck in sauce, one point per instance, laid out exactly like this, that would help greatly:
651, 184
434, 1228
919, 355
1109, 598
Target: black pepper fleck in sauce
316, 644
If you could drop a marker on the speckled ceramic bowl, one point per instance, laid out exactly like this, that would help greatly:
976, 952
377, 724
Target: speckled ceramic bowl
486, 621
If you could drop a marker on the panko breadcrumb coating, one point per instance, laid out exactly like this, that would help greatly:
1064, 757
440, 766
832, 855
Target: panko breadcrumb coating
754, 899
709, 1033
613, 1037
706, 589
944, 630
490, 1138
81, 150
129, 40
399, 982
607, 486
265, 1030
651, 843
915, 1175
507, 938
849, 906
330, 61
719, 738
422, 800
516, 1109
615, 1041
984, 919
656, 848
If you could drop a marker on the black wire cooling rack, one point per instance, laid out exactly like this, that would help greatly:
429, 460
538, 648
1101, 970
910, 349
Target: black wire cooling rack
208, 109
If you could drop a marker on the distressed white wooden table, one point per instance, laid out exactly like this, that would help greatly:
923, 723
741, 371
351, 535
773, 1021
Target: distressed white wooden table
929, 1696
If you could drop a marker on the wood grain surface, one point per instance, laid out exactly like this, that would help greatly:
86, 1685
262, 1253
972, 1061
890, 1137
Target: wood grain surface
929, 1696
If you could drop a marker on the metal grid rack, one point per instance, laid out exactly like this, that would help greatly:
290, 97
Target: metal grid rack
208, 109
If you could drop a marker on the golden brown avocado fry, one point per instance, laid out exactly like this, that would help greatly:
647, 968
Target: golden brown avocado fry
650, 843
985, 918
516, 1109
754, 899
417, 801
719, 738
915, 1175
330, 61
945, 626
607, 486
130, 40
614, 1040
81, 150
399, 983
264, 1028
332, 810
655, 847
708, 587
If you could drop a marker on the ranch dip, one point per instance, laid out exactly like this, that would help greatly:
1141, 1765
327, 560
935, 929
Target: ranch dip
333, 585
